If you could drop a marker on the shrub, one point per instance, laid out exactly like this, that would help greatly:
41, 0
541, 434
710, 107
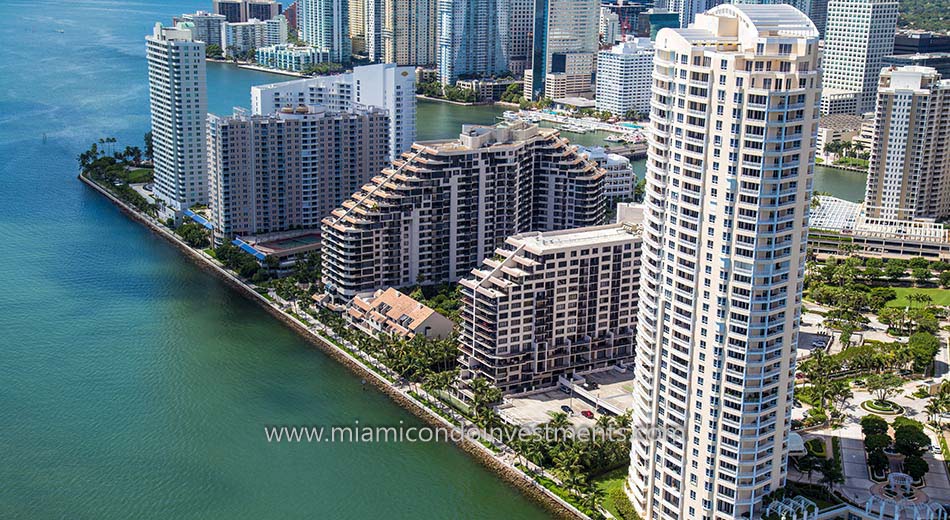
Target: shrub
622, 505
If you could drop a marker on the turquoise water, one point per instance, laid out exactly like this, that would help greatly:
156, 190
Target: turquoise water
132, 384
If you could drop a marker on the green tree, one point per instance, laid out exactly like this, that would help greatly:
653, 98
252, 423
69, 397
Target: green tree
878, 461
149, 150
876, 442
916, 467
214, 51
945, 279
921, 275
924, 347
873, 425
884, 386
910, 441
894, 271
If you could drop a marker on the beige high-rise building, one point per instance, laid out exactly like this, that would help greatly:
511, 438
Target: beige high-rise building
409, 32
730, 162
445, 205
909, 174
553, 304
287, 170
357, 12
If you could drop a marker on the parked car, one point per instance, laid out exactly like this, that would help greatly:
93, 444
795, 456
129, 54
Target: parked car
935, 449
567, 409
590, 415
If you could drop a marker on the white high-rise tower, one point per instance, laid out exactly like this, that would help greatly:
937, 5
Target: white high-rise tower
858, 34
729, 177
178, 100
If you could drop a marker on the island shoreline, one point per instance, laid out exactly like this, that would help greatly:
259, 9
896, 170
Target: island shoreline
510, 475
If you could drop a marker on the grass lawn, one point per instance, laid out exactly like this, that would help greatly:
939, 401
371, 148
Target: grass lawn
940, 296
607, 483
140, 175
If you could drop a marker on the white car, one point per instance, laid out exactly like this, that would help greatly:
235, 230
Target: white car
935, 449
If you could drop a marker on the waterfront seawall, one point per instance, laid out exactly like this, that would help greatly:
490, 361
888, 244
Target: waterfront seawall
511, 475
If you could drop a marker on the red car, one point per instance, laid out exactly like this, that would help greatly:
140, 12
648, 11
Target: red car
587, 413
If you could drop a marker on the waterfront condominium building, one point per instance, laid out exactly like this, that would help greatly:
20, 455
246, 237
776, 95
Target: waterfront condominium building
325, 25
858, 34
409, 32
729, 181
237, 11
178, 102
565, 42
551, 304
241, 38
909, 174
385, 86
445, 205
205, 27
619, 177
276, 30
286, 171
624, 77
470, 41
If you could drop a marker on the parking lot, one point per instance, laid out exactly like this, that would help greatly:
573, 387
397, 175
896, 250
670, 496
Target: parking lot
534, 409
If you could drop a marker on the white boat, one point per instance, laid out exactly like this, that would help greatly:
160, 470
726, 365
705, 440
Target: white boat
614, 138
577, 129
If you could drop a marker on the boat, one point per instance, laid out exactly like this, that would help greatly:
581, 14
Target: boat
613, 138
577, 129
509, 115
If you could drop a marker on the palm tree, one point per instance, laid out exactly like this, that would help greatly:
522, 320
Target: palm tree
591, 497
933, 409
534, 451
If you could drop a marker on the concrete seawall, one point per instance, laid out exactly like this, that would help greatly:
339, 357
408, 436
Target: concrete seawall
513, 476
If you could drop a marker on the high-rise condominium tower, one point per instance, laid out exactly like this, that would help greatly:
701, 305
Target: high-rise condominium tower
445, 205
909, 175
409, 32
470, 41
178, 100
729, 178
624, 76
384, 86
564, 47
858, 34
547, 305
288, 170
325, 25
357, 10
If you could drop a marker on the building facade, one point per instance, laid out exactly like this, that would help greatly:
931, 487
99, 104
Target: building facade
241, 38
909, 173
625, 76
518, 35
205, 27
289, 57
565, 42
858, 35
619, 178
729, 182
384, 86
470, 41
936, 60
325, 25
178, 103
409, 32
443, 206
389, 313
237, 11
287, 170
551, 304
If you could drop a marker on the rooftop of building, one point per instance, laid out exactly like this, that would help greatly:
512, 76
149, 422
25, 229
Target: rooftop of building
475, 137
631, 45
764, 20
834, 214
541, 242
842, 216
395, 306
840, 122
